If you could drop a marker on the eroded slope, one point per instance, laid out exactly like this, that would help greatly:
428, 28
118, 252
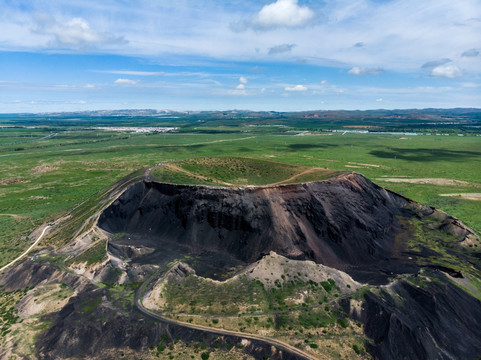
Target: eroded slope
347, 223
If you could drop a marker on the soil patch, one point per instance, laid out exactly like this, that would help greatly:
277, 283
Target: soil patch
11, 181
430, 181
369, 165
44, 168
467, 196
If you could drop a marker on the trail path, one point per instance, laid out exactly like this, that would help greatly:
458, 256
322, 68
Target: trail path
273, 342
31, 140
177, 168
16, 217
174, 167
28, 250
294, 176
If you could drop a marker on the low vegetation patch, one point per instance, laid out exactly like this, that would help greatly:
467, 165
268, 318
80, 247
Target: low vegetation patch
196, 295
237, 171
8, 313
96, 253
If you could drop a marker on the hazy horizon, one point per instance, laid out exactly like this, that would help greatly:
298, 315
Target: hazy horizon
236, 110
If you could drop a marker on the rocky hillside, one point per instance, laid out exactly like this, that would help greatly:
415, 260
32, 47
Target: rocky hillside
405, 281
348, 223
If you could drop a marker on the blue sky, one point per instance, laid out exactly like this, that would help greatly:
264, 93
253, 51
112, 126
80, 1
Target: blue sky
283, 55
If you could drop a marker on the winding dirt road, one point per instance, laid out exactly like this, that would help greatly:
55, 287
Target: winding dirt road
273, 342
28, 250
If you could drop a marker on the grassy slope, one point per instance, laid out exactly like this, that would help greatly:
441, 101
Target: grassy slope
237, 171
40, 180
313, 321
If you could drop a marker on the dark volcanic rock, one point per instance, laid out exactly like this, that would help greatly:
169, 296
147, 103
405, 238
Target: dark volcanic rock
348, 223
31, 273
436, 321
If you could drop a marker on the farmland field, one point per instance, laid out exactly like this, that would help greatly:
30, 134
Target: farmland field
48, 170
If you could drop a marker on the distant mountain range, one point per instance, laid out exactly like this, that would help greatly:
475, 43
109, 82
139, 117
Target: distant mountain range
398, 113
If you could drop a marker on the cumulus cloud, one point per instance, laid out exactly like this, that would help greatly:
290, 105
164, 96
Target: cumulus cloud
125, 82
295, 88
75, 33
449, 71
239, 90
358, 71
432, 64
470, 53
282, 13
279, 49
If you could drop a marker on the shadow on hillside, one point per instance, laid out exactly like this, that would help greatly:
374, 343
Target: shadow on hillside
423, 155
180, 148
300, 147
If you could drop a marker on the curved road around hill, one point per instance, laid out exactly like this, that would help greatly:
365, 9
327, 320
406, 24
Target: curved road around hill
273, 342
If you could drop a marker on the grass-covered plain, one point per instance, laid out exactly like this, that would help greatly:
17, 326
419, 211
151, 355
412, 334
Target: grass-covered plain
42, 177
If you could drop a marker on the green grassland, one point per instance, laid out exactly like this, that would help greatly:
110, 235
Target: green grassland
237, 171
41, 180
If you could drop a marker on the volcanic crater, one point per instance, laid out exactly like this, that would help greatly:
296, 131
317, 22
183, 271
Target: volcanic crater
347, 223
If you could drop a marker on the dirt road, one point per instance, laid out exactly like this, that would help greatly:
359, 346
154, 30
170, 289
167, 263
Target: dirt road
28, 250
299, 354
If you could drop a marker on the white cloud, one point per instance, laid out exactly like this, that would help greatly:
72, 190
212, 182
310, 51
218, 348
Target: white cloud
399, 35
379, 100
239, 90
243, 80
283, 13
298, 88
365, 71
324, 82
74, 33
449, 71
279, 49
125, 82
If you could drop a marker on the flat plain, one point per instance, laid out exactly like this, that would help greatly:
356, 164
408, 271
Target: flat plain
46, 171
